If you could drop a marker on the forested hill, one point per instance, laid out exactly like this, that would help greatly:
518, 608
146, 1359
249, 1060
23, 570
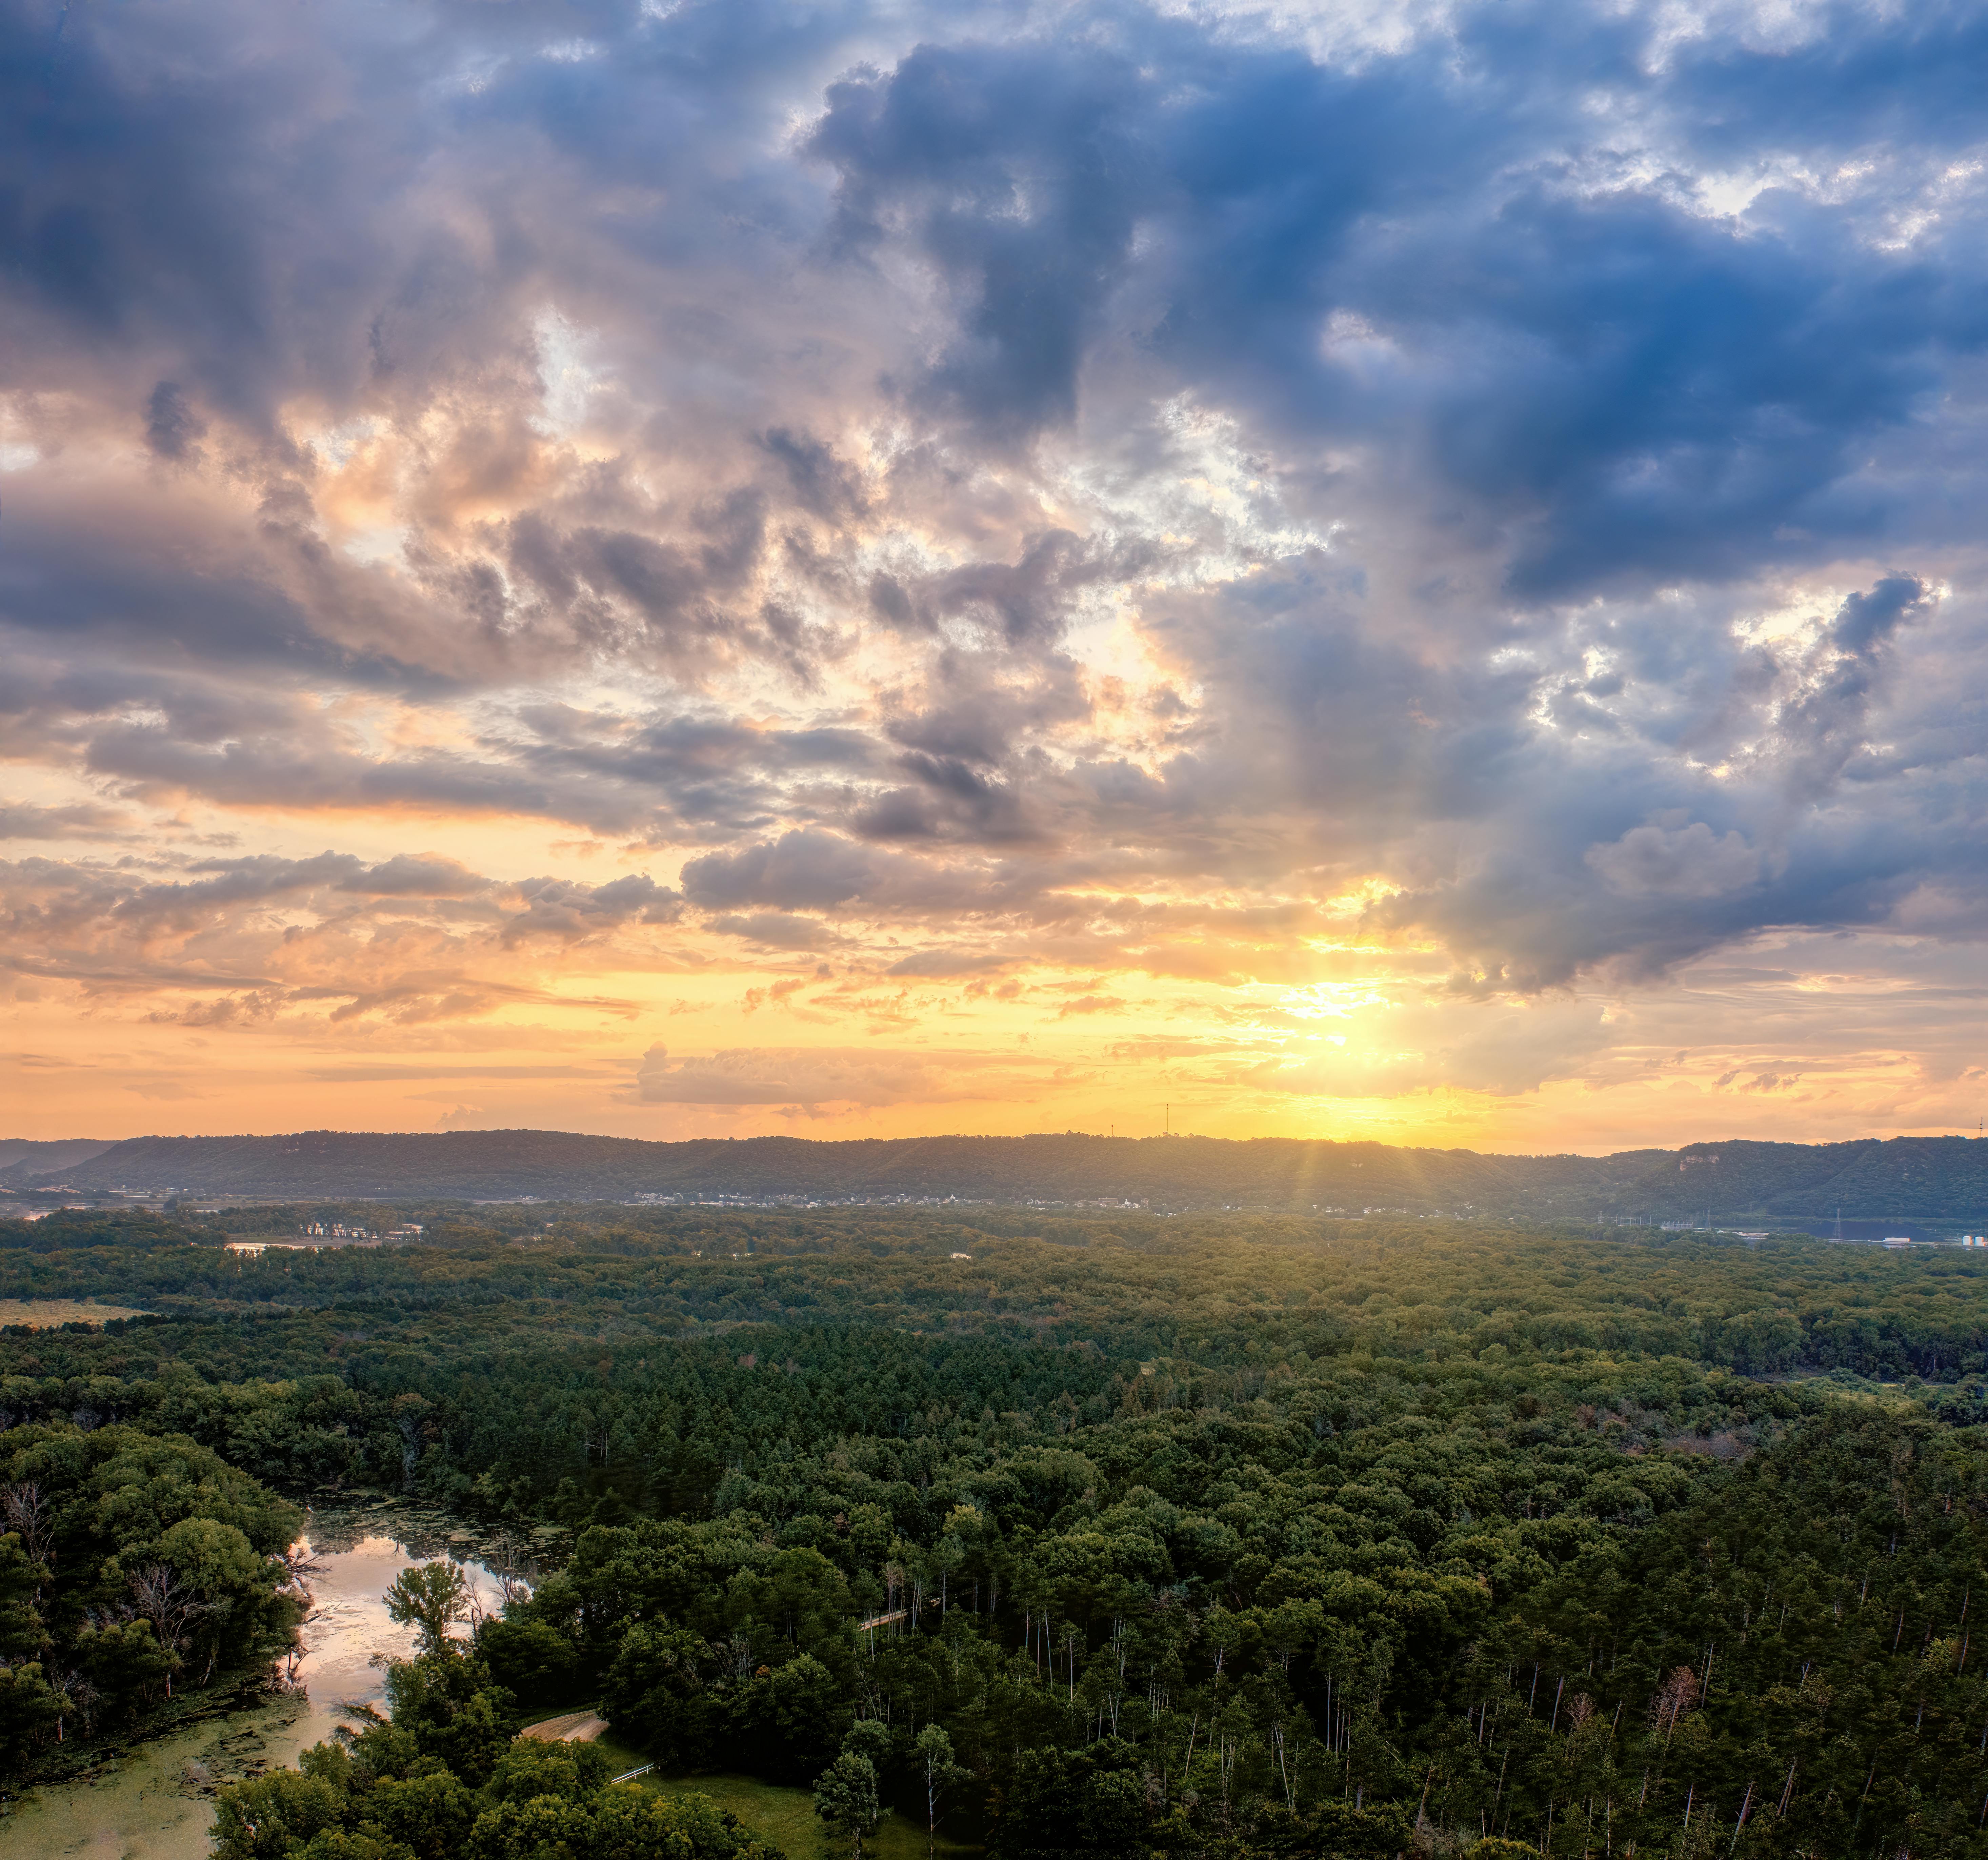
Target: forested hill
1942, 1178
22, 1159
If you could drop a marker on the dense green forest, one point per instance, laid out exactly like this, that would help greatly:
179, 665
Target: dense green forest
1223, 1536
439, 1776
1942, 1179
133, 1560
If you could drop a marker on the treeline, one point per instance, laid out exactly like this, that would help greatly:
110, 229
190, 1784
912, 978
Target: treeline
77, 1232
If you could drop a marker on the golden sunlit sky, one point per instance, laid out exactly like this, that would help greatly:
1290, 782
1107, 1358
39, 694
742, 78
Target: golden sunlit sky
720, 568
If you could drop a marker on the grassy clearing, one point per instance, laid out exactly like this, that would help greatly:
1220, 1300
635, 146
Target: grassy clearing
45, 1313
901, 1838
1857, 1388
787, 1817
624, 1756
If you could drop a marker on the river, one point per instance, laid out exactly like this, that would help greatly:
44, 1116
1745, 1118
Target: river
154, 1800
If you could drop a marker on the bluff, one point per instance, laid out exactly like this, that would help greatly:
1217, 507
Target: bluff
1921, 1179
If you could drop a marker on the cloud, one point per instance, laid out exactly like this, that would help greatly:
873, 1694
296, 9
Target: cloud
1243, 500
932, 964
381, 1075
1866, 621
1676, 862
776, 930
802, 870
171, 426
217, 886
561, 908
422, 875
265, 940
82, 821
778, 1075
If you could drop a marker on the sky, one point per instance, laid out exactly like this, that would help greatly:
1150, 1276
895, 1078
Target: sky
855, 568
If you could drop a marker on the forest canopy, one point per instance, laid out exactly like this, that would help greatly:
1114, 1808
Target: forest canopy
1235, 1536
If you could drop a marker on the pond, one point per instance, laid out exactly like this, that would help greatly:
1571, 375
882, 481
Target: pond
154, 1800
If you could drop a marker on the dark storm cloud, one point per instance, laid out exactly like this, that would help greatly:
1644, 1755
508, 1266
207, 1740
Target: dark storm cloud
809, 869
953, 799
823, 484
1616, 373
159, 734
1716, 789
258, 192
1632, 385
672, 590
1848, 78
955, 141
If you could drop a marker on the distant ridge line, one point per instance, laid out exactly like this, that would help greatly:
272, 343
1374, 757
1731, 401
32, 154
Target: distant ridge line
1903, 1178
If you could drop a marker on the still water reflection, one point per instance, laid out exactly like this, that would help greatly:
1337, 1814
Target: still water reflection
154, 1802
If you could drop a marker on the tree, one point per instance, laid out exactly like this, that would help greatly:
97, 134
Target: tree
431, 1597
21, 1577
29, 1707
542, 1827
431, 1814
1427, 1492
274, 1816
1073, 1805
656, 1688
124, 1660
845, 1796
942, 1773
210, 1599
871, 1738
802, 1706
640, 1825
532, 1657
445, 1702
